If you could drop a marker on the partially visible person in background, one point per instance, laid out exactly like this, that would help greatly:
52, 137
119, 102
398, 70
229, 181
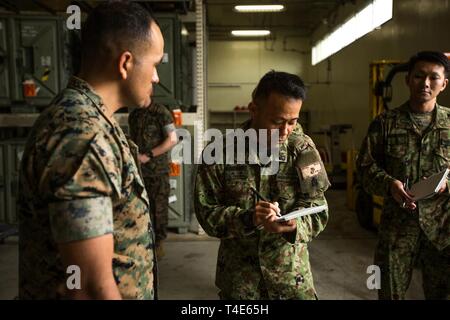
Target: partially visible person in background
153, 130
403, 146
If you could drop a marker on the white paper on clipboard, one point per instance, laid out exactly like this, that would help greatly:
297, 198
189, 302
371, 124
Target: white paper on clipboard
302, 212
428, 187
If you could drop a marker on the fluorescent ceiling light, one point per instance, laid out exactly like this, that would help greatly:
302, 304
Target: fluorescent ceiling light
260, 8
250, 33
362, 23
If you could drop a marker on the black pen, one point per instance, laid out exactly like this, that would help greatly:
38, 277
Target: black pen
261, 197
259, 194
406, 188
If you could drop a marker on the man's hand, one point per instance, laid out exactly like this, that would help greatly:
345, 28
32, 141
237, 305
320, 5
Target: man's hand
266, 214
444, 187
402, 197
143, 158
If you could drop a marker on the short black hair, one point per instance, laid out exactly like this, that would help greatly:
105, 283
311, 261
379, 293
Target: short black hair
430, 56
286, 84
115, 25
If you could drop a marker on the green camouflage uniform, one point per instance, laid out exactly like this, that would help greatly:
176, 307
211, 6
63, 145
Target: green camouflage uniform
148, 128
79, 180
396, 148
255, 264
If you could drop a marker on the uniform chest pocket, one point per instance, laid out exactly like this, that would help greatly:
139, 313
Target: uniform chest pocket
153, 132
444, 144
237, 188
397, 145
287, 184
132, 181
442, 158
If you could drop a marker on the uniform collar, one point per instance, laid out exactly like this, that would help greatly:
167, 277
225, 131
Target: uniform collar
84, 88
440, 117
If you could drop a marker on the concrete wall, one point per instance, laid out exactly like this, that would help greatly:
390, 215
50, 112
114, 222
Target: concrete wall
235, 67
417, 25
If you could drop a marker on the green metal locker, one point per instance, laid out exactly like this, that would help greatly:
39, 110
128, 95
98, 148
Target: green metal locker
14, 151
38, 54
188, 193
178, 217
166, 91
186, 72
5, 57
2, 184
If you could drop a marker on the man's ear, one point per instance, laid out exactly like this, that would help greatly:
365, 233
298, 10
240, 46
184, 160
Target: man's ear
444, 85
252, 108
125, 64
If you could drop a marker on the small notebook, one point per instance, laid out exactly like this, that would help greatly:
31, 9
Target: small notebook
301, 212
428, 187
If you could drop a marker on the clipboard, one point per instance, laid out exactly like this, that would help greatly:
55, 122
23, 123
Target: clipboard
301, 212
428, 187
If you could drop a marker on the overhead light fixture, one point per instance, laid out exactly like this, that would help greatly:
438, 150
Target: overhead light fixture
250, 33
259, 8
365, 21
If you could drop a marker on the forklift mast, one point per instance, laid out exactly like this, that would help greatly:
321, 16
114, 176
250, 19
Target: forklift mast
380, 89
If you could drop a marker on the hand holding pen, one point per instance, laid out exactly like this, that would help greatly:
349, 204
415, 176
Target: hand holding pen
267, 204
266, 214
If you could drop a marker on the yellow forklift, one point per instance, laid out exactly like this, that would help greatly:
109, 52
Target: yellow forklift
368, 208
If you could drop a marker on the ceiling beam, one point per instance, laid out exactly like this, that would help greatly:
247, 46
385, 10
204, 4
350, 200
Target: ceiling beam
8, 5
84, 6
286, 2
44, 6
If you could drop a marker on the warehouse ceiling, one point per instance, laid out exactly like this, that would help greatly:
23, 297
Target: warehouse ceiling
300, 17
60, 6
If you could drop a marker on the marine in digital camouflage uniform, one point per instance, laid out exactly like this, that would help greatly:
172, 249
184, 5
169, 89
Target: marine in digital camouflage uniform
403, 143
88, 185
82, 199
254, 263
149, 128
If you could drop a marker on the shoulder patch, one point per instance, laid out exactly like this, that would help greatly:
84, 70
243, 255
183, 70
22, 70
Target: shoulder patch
311, 170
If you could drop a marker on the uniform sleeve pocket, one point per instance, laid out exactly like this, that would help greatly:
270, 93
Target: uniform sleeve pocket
313, 178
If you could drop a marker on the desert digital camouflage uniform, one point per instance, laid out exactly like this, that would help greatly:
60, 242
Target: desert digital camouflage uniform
396, 147
79, 180
255, 264
148, 128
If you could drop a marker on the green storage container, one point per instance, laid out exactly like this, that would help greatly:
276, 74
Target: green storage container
12, 155
5, 57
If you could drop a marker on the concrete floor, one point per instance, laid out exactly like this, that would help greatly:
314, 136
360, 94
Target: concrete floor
9, 268
339, 258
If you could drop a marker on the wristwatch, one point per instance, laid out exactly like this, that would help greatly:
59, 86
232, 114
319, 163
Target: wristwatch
150, 154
